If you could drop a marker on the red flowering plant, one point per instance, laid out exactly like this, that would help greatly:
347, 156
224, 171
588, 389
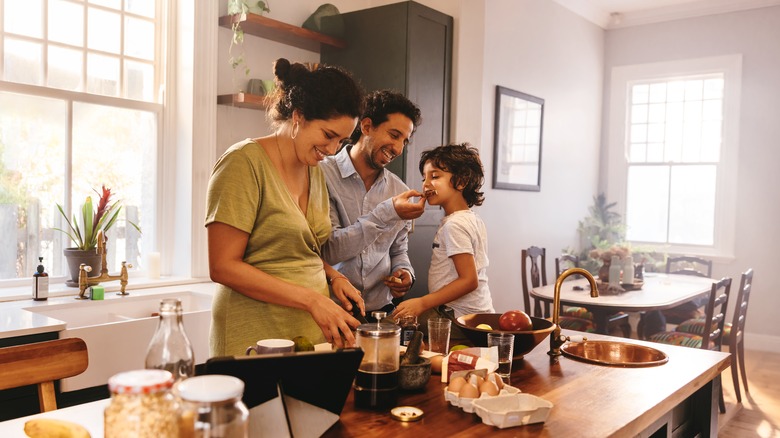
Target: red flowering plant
93, 221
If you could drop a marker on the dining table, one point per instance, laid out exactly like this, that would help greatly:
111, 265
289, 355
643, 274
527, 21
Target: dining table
656, 291
588, 401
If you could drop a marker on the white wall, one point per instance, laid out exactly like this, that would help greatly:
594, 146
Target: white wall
754, 34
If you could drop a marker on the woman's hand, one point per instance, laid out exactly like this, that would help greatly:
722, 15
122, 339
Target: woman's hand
336, 324
347, 294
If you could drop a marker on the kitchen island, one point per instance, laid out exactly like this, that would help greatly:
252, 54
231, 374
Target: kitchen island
589, 401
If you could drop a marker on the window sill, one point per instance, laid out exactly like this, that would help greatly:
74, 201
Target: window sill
23, 293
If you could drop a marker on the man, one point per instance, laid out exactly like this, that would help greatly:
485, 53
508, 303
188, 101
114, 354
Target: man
370, 207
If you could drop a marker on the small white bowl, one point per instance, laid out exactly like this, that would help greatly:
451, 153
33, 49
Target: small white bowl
512, 410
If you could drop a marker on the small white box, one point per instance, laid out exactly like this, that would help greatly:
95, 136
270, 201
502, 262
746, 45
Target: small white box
512, 410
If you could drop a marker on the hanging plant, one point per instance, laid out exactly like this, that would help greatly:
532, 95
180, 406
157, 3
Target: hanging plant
238, 9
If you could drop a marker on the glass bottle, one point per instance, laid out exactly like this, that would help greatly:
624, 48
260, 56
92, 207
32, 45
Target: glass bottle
211, 407
40, 290
170, 349
628, 271
142, 405
614, 272
408, 325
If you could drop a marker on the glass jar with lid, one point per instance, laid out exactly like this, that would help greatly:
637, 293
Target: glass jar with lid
142, 405
376, 382
211, 407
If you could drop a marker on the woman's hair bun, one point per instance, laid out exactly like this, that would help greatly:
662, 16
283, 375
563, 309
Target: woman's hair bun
282, 69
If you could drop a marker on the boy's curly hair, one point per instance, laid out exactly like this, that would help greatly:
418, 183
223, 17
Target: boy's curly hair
462, 161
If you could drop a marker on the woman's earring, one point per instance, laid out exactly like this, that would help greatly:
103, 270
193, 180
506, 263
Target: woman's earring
296, 127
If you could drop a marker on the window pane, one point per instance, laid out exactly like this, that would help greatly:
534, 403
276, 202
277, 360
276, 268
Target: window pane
31, 10
692, 205
139, 81
117, 147
23, 62
647, 203
139, 38
639, 114
658, 92
33, 133
66, 22
102, 75
103, 30
65, 68
640, 93
140, 7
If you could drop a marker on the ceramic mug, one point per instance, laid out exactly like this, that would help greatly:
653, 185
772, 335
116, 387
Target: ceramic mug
267, 346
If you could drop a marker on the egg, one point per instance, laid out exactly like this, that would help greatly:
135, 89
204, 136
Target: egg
488, 388
476, 380
497, 380
457, 383
436, 362
468, 391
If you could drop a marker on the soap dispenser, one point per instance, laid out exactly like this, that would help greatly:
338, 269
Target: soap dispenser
40, 290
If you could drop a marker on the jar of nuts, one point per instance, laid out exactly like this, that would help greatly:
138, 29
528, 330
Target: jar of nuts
142, 405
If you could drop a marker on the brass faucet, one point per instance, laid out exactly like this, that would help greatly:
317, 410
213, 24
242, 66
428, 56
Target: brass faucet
86, 281
556, 339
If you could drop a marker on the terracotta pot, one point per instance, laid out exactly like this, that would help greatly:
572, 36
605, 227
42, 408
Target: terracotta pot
76, 257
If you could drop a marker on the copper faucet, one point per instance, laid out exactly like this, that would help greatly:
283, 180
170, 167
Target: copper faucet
86, 281
556, 339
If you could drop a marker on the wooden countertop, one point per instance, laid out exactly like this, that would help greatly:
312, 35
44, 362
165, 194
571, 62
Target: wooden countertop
589, 400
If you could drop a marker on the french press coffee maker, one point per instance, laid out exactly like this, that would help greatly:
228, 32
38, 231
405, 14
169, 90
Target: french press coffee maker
376, 382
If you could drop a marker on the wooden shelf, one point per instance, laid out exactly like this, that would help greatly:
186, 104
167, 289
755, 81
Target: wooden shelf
243, 100
284, 33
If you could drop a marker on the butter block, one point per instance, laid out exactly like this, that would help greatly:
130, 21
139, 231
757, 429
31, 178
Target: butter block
97, 292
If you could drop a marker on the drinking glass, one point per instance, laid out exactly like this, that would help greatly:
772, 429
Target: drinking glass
439, 335
505, 343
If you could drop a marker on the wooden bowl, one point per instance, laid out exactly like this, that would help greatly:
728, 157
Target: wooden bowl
525, 341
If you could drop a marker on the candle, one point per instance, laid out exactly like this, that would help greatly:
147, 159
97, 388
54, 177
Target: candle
153, 265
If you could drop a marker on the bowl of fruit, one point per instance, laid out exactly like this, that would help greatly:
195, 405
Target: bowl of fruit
529, 331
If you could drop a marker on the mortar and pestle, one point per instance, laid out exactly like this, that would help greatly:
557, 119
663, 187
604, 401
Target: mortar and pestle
415, 370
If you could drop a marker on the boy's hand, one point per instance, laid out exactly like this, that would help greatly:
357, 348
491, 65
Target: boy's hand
406, 208
412, 306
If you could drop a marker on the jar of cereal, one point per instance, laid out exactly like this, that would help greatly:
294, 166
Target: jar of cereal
142, 405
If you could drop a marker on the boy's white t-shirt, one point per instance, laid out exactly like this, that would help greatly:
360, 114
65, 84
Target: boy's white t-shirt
461, 232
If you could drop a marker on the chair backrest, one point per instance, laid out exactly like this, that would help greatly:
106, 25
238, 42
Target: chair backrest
564, 262
688, 265
534, 275
715, 317
41, 364
740, 312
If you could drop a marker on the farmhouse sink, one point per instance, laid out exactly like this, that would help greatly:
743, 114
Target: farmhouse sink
117, 331
617, 354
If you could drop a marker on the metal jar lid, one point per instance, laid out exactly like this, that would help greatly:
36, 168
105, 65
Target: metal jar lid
379, 329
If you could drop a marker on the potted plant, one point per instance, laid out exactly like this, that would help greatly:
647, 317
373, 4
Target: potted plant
84, 233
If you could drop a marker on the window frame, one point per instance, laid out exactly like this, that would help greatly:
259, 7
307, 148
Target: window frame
622, 77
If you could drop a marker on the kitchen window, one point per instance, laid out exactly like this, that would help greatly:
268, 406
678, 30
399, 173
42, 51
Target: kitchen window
81, 105
673, 153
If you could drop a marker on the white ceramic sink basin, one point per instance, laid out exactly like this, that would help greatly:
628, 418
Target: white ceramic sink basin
117, 331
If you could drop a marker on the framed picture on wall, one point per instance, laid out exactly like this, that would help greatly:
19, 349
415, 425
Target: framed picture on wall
517, 141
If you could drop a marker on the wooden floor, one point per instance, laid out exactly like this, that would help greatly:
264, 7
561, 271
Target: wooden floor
759, 413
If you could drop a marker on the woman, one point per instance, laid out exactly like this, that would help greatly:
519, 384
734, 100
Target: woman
267, 218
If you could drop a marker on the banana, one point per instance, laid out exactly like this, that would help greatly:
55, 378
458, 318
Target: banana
50, 428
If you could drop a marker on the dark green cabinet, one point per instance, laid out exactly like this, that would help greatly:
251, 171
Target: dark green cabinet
405, 47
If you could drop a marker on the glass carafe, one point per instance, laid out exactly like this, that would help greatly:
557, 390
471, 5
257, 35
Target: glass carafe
170, 349
376, 382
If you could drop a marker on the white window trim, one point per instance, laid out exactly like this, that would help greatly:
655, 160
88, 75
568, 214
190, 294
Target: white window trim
726, 189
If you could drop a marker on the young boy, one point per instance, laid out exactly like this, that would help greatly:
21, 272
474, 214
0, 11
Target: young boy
457, 277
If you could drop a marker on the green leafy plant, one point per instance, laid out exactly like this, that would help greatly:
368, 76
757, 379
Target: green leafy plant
239, 9
85, 233
603, 234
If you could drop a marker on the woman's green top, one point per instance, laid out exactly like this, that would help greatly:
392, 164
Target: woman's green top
246, 192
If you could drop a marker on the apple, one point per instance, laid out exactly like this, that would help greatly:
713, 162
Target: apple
514, 321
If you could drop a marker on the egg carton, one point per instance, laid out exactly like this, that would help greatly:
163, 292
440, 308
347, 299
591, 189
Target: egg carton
467, 403
512, 410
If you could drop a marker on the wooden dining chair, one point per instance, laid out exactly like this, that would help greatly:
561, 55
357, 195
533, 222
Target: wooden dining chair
733, 332
534, 274
616, 320
713, 327
41, 364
